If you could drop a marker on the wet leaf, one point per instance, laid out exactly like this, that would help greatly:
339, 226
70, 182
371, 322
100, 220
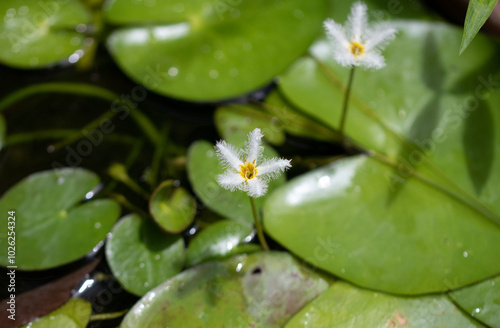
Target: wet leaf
51, 226
37, 34
74, 314
429, 116
344, 305
141, 256
257, 290
203, 168
481, 300
206, 50
173, 208
349, 219
218, 240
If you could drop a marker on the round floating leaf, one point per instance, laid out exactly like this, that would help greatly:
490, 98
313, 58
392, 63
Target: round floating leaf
343, 305
172, 207
349, 219
413, 96
481, 300
51, 228
218, 240
141, 256
206, 50
257, 290
243, 119
203, 168
36, 33
74, 314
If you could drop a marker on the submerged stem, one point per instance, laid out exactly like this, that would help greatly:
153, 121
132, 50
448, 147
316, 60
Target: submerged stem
345, 106
258, 226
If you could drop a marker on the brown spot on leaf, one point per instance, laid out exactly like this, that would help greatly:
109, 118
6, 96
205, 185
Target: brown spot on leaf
401, 320
391, 323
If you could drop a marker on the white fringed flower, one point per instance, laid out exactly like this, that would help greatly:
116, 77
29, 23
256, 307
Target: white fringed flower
249, 174
359, 44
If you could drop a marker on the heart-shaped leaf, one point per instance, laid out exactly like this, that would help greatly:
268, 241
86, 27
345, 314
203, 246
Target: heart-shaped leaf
206, 50
74, 314
36, 33
172, 207
429, 117
349, 219
203, 168
344, 305
481, 300
219, 240
256, 290
50, 227
142, 256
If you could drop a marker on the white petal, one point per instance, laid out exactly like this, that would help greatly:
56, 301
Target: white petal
357, 21
344, 57
372, 60
271, 168
379, 37
231, 181
228, 155
336, 33
253, 147
256, 187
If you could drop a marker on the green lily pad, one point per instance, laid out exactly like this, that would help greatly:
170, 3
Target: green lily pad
429, 115
243, 119
51, 229
74, 314
206, 50
257, 290
173, 208
387, 106
348, 219
37, 34
203, 168
141, 256
343, 305
219, 240
481, 300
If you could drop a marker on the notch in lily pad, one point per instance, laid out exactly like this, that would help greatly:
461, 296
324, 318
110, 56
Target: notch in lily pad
172, 207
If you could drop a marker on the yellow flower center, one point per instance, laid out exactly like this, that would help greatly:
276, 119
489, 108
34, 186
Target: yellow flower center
356, 48
248, 170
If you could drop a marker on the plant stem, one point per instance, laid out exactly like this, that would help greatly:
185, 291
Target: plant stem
258, 226
346, 104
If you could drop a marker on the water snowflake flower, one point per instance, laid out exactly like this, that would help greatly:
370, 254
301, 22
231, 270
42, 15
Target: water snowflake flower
249, 173
359, 44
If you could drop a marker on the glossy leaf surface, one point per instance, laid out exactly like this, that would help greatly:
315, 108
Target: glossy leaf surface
142, 256
344, 305
260, 290
51, 228
482, 301
206, 50
173, 208
218, 240
37, 34
351, 220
